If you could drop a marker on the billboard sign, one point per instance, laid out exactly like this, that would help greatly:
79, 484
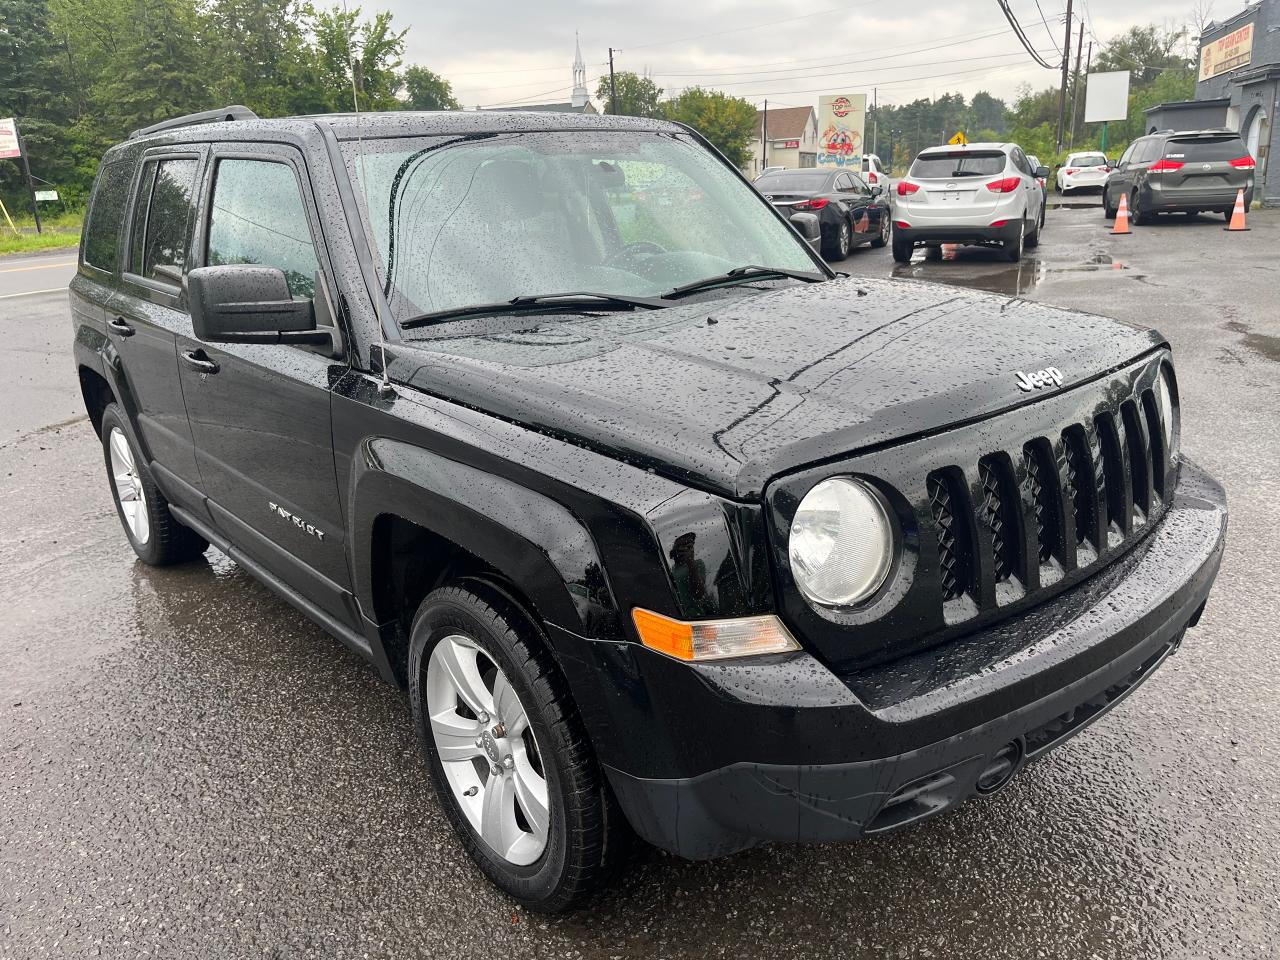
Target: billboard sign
1106, 96
9, 139
1228, 52
786, 144
841, 120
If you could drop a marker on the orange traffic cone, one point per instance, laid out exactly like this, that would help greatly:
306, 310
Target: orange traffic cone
1122, 217
1237, 215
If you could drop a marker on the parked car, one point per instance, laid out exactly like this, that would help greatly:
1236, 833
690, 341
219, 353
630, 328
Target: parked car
768, 170
661, 524
1083, 171
983, 193
1043, 181
849, 211
1188, 172
874, 172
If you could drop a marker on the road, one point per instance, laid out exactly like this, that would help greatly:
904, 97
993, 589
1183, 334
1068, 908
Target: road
190, 769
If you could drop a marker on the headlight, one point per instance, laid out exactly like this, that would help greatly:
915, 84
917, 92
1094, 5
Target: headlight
1164, 391
841, 544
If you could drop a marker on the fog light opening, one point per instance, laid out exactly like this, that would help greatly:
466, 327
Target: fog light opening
1004, 763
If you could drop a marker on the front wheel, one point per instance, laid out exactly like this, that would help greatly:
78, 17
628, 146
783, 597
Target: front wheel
1033, 238
1108, 211
882, 238
506, 750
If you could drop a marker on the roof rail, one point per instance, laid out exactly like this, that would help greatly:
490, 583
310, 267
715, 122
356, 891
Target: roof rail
191, 119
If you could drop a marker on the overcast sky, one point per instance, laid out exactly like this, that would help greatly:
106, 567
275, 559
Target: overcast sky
787, 50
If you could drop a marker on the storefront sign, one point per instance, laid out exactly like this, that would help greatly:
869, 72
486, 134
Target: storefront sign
1227, 53
786, 144
841, 118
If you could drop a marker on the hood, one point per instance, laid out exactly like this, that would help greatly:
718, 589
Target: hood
725, 394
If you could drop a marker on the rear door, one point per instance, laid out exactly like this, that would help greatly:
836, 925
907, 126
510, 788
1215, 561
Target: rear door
260, 413
1206, 166
148, 314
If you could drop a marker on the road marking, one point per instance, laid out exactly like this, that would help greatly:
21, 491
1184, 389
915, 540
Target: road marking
32, 293
43, 266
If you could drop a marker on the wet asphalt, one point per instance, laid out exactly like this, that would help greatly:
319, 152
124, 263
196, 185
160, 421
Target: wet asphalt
188, 768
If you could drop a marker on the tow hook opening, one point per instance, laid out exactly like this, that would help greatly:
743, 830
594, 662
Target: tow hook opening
1004, 763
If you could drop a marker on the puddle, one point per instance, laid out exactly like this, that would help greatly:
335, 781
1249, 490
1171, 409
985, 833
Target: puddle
980, 268
1265, 345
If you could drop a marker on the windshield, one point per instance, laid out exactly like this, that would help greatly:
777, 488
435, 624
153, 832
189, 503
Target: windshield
793, 182
1087, 160
942, 166
459, 221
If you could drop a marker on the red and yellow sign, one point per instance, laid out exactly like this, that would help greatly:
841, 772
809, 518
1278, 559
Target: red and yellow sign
1228, 52
9, 147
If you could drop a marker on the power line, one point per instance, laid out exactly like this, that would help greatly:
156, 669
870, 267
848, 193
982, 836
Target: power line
1046, 27
1022, 36
751, 26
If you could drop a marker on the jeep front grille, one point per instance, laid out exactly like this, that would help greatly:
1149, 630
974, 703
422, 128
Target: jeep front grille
1053, 507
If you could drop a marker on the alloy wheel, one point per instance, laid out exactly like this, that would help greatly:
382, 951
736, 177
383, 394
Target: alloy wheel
129, 491
844, 239
487, 750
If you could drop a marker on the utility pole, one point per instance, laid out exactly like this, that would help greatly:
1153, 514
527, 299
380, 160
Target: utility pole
875, 124
26, 172
613, 86
1075, 96
1066, 63
764, 137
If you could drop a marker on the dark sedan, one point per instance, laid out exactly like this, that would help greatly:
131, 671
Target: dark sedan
849, 211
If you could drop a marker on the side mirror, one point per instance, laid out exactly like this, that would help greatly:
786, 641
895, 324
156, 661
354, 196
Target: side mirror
1042, 171
809, 227
1113, 164
240, 303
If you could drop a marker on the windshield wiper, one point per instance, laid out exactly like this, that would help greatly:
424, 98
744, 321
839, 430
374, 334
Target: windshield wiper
743, 274
574, 301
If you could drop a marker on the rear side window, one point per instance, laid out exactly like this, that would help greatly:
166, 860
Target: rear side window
942, 166
1225, 147
257, 216
102, 231
162, 219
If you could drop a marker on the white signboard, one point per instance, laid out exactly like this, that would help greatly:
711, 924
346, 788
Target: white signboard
1106, 96
9, 139
841, 119
46, 194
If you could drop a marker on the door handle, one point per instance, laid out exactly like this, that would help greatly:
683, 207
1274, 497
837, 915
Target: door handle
119, 326
197, 360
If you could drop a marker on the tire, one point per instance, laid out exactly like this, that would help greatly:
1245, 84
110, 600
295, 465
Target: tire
902, 250
1226, 214
154, 533
886, 226
839, 248
1033, 239
1108, 211
584, 832
1136, 213
1013, 248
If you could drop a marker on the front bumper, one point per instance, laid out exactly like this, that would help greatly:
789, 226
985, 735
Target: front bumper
710, 759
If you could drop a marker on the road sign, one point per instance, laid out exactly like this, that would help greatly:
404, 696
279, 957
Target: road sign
46, 194
959, 140
9, 146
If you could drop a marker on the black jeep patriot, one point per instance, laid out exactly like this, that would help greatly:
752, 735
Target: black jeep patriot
661, 523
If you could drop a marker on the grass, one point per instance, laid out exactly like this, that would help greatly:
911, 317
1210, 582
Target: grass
61, 230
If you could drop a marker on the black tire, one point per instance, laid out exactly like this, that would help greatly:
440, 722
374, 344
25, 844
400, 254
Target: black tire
838, 247
902, 250
1136, 213
1227, 214
1033, 238
1108, 211
586, 834
167, 541
1013, 248
886, 225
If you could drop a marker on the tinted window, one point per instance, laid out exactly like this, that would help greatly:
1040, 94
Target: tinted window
1086, 160
102, 232
162, 219
844, 183
257, 216
1225, 147
787, 182
1128, 154
1146, 150
940, 166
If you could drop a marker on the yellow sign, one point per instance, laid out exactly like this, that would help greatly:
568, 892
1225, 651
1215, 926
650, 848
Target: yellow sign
1228, 52
959, 140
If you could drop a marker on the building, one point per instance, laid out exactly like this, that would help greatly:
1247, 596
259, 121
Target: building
793, 140
579, 101
1238, 87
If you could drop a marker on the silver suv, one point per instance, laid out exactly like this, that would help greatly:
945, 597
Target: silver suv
982, 193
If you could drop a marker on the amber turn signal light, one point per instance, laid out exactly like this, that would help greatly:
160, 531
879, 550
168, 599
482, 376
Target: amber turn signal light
712, 639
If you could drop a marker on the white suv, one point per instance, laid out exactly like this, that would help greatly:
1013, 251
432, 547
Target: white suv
874, 173
982, 193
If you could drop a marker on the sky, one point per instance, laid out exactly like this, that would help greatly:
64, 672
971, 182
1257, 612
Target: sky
790, 51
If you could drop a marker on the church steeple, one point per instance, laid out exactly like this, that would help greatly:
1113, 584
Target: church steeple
580, 95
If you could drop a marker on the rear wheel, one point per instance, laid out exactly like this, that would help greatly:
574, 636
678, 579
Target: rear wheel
155, 535
506, 750
1136, 211
839, 246
1013, 248
902, 250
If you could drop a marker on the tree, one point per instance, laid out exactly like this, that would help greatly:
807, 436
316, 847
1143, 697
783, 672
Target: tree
425, 90
729, 123
345, 44
637, 96
987, 113
1146, 52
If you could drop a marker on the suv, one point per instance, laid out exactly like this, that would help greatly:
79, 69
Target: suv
1188, 172
653, 516
983, 193
873, 171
